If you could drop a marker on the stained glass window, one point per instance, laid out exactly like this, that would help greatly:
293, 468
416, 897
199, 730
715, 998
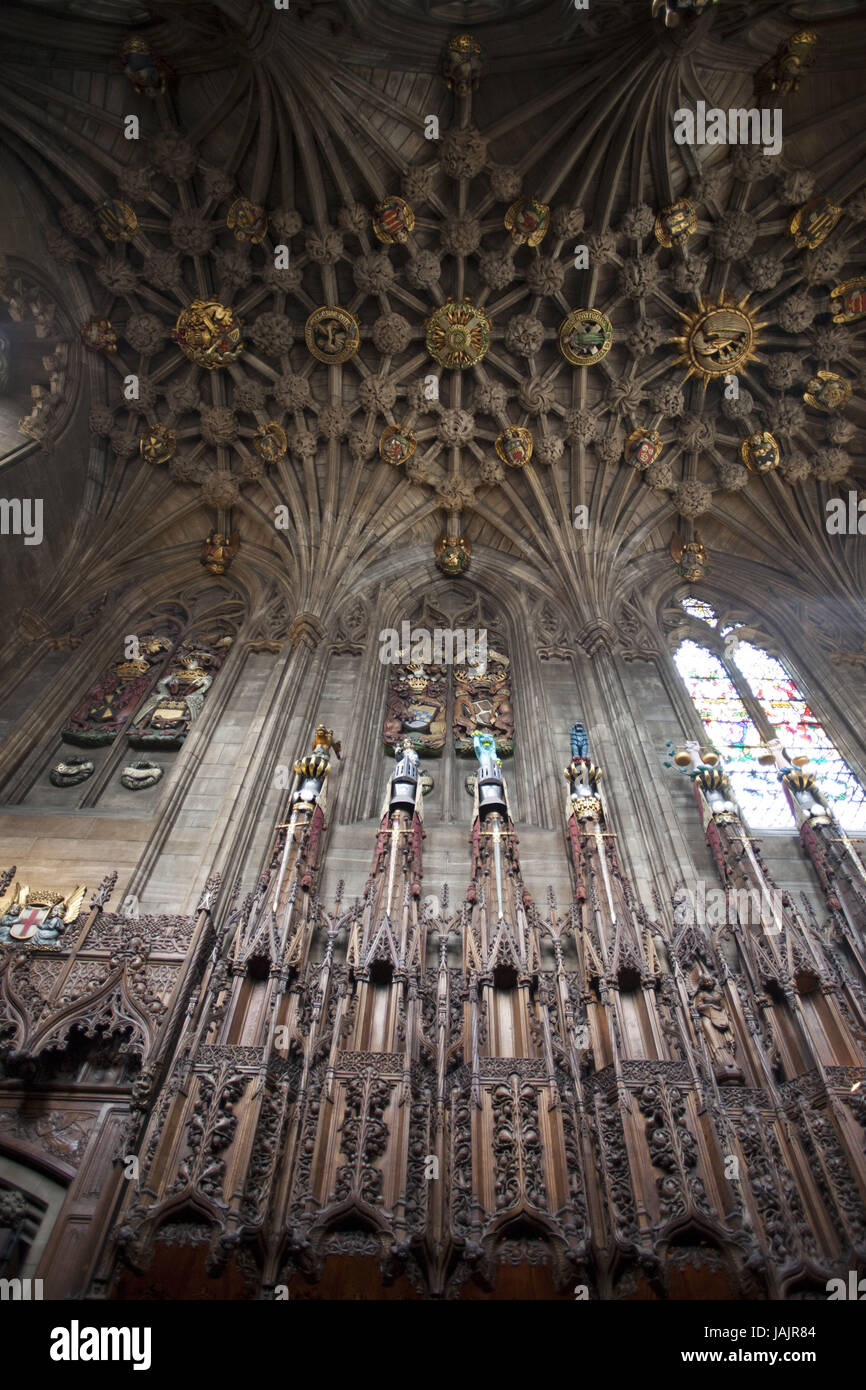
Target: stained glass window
696, 608
730, 729
801, 734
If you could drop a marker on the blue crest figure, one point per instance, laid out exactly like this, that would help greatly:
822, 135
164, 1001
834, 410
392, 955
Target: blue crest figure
485, 751
579, 741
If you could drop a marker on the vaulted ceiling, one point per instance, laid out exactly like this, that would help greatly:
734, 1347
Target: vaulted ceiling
317, 114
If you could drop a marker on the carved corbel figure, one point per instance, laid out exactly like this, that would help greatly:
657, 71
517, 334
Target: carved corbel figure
218, 551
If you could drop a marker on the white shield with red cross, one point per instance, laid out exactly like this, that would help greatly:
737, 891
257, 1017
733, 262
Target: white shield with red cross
30, 919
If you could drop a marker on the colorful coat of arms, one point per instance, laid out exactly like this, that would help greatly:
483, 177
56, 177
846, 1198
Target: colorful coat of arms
397, 444
165, 717
827, 391
158, 445
849, 300
642, 448
527, 220
814, 222
110, 702
458, 334
416, 707
393, 220
514, 446
482, 703
270, 442
718, 338
98, 335
676, 223
208, 334
760, 452
247, 220
38, 917
117, 221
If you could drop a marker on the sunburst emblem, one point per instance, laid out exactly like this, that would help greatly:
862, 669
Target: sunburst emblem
458, 334
719, 338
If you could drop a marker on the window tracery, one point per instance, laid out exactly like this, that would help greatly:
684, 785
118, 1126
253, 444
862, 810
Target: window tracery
800, 733
697, 608
746, 699
732, 731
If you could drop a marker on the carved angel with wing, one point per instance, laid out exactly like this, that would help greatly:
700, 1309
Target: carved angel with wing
37, 917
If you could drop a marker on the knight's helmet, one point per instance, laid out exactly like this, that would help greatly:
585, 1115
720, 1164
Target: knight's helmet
314, 768
491, 792
404, 782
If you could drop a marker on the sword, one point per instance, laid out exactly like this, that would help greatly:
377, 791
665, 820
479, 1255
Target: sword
289, 828
602, 860
498, 863
396, 831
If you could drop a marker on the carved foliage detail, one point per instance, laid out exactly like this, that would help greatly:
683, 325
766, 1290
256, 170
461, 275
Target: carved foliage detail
673, 1149
779, 1204
461, 1161
615, 1165
210, 1130
831, 1173
516, 1145
364, 1138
